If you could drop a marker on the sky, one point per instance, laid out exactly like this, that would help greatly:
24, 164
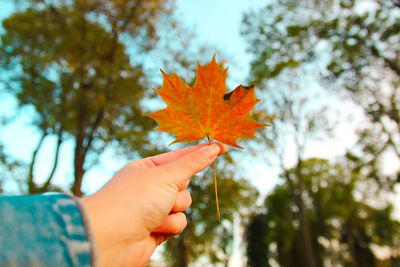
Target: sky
218, 22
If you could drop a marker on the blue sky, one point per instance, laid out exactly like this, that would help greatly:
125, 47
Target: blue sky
218, 22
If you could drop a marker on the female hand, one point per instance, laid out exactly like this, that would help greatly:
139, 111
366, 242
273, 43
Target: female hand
142, 205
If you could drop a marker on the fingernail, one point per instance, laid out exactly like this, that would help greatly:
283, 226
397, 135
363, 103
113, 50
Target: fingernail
211, 150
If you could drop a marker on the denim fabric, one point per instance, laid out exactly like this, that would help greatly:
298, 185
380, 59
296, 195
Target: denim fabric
43, 230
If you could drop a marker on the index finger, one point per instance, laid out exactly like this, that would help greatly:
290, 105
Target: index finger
173, 155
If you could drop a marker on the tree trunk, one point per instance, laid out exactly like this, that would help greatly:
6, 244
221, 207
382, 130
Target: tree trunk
302, 214
183, 259
83, 142
79, 157
79, 171
351, 244
304, 224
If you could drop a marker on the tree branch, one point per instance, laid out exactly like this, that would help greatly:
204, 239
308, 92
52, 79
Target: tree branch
390, 63
56, 14
390, 139
46, 185
94, 127
32, 187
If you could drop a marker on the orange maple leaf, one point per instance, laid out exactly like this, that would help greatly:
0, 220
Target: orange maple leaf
206, 110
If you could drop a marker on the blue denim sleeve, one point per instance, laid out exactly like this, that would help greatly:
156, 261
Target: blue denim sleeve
44, 230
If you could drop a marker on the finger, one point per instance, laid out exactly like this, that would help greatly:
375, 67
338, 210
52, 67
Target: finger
177, 172
173, 155
182, 202
173, 224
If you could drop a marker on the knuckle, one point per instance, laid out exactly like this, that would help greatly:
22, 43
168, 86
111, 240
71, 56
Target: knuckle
197, 162
188, 198
133, 164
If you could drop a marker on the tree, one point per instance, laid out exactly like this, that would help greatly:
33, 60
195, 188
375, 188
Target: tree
69, 60
11, 171
342, 225
298, 122
343, 46
354, 45
297, 101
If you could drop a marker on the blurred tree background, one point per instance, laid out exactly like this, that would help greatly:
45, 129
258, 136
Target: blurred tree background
84, 69
69, 61
328, 212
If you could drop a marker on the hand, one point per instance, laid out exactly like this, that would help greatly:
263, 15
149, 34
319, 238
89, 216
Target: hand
142, 205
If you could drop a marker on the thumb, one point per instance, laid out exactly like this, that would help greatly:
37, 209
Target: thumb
180, 170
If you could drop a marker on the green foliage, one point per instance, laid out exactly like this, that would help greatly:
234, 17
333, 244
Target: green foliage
355, 46
69, 61
66, 75
336, 217
352, 47
11, 171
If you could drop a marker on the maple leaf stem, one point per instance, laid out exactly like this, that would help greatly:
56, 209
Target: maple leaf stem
216, 192
215, 185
